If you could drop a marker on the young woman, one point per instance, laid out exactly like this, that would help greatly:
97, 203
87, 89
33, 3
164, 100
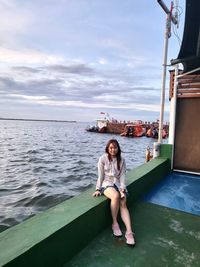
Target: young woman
111, 183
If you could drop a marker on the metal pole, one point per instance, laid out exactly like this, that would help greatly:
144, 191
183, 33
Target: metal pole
173, 108
170, 18
164, 7
167, 11
167, 35
173, 114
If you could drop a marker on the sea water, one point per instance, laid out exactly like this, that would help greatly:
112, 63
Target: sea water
43, 163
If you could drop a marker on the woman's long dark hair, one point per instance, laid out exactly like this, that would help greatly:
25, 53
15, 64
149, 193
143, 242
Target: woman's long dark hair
118, 155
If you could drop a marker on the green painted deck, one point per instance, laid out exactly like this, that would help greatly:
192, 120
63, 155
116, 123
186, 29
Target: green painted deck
53, 237
165, 237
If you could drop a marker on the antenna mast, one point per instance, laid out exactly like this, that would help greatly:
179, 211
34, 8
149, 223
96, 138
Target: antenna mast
170, 18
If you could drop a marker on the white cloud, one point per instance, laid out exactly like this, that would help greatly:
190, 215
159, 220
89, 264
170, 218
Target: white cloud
28, 97
43, 100
103, 61
28, 57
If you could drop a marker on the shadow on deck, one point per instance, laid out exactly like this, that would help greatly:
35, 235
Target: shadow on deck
164, 236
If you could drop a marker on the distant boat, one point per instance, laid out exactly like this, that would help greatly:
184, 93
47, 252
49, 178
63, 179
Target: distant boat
106, 124
136, 128
153, 133
133, 130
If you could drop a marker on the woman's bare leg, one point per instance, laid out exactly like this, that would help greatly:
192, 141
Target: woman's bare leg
125, 215
114, 196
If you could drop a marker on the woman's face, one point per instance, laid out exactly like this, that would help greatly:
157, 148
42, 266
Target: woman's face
112, 149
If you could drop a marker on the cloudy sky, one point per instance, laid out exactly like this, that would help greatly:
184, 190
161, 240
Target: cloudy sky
72, 59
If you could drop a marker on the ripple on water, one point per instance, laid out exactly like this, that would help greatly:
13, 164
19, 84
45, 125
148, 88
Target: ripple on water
6, 223
32, 151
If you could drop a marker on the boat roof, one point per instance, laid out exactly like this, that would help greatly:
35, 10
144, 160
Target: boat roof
132, 124
189, 54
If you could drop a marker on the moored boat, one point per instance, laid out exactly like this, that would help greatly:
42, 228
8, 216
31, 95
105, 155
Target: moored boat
133, 130
153, 133
136, 128
105, 124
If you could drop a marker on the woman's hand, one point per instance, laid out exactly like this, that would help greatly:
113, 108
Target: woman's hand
122, 193
97, 193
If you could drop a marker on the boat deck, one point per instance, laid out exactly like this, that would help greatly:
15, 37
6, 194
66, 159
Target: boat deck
164, 236
179, 191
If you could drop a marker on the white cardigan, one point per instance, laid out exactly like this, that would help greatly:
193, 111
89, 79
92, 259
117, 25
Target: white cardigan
108, 174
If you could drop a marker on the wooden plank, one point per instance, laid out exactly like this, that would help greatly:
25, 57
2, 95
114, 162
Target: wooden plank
188, 91
190, 76
184, 86
188, 86
188, 95
192, 80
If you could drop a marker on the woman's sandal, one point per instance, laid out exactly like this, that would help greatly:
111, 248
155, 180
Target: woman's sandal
130, 238
116, 230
